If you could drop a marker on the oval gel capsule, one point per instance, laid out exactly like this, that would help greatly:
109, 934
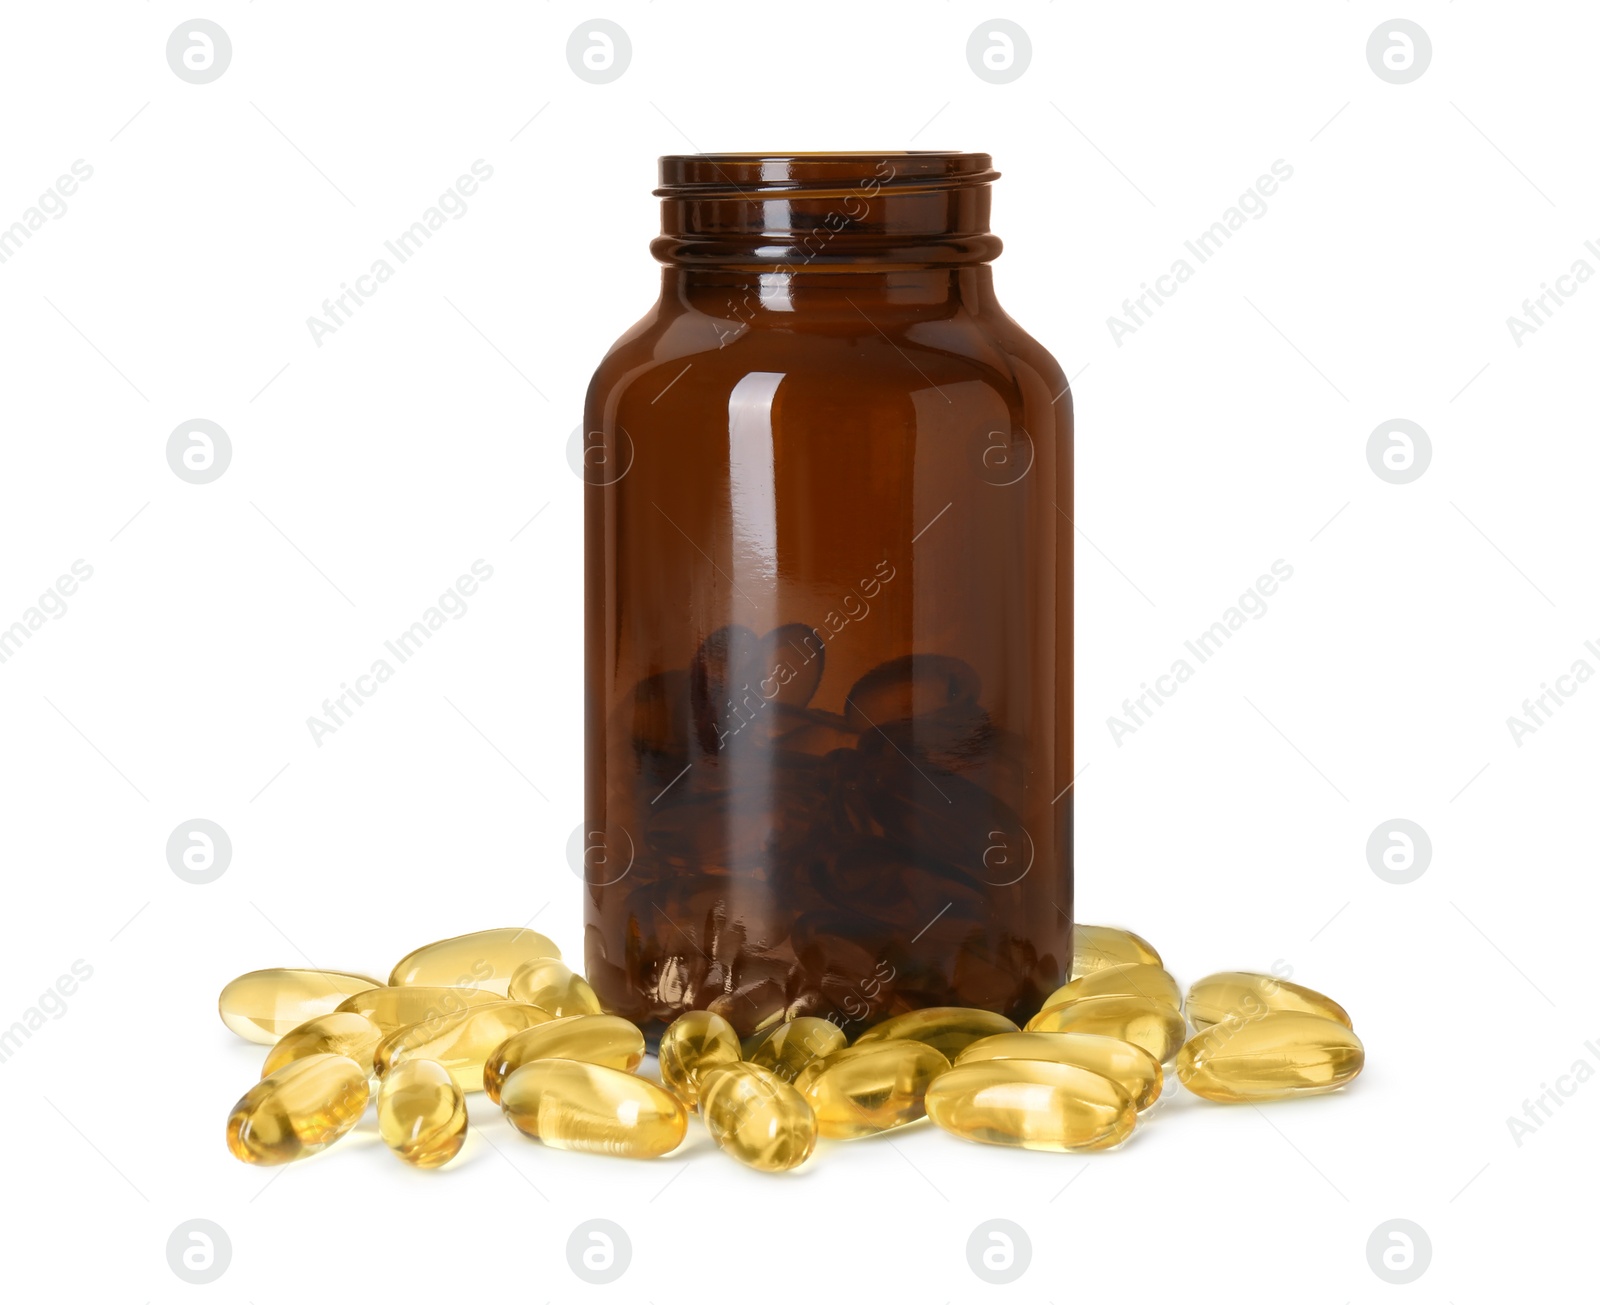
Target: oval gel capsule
756, 1117
1283, 1054
486, 959
265, 1004
398, 1008
422, 1115
302, 1108
693, 1043
462, 1042
594, 1039
1153, 1025
947, 1029
549, 984
1120, 981
870, 1088
1131, 1068
1242, 995
1095, 946
338, 1033
789, 1048
1034, 1104
578, 1107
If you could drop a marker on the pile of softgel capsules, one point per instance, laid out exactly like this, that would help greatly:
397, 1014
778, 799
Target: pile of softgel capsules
498, 1012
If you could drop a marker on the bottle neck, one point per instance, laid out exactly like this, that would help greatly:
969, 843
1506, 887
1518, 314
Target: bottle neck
776, 298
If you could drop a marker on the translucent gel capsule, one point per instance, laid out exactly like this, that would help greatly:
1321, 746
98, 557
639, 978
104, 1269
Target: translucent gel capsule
1131, 1068
486, 959
1120, 981
693, 1043
338, 1033
1095, 946
947, 1029
871, 1086
422, 1115
1034, 1104
265, 1004
1239, 994
594, 1039
461, 1042
790, 1047
1283, 1054
756, 1117
307, 1105
579, 1107
1153, 1025
397, 1008
549, 984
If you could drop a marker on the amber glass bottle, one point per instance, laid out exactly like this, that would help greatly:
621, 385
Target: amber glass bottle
828, 549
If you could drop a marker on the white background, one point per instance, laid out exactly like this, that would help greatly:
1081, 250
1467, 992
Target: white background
431, 431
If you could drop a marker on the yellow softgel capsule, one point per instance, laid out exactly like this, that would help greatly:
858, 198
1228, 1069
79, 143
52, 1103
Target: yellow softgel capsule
1131, 1068
756, 1117
581, 1107
304, 1107
1240, 994
422, 1115
594, 1039
462, 1042
947, 1029
1153, 1025
791, 1046
338, 1033
551, 985
486, 959
265, 1004
693, 1043
1035, 1104
1095, 946
398, 1008
870, 1087
1120, 981
1282, 1054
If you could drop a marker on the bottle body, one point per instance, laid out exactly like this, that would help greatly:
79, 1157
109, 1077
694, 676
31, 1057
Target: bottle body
828, 648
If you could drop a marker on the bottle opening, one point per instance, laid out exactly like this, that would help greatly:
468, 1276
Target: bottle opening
793, 212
